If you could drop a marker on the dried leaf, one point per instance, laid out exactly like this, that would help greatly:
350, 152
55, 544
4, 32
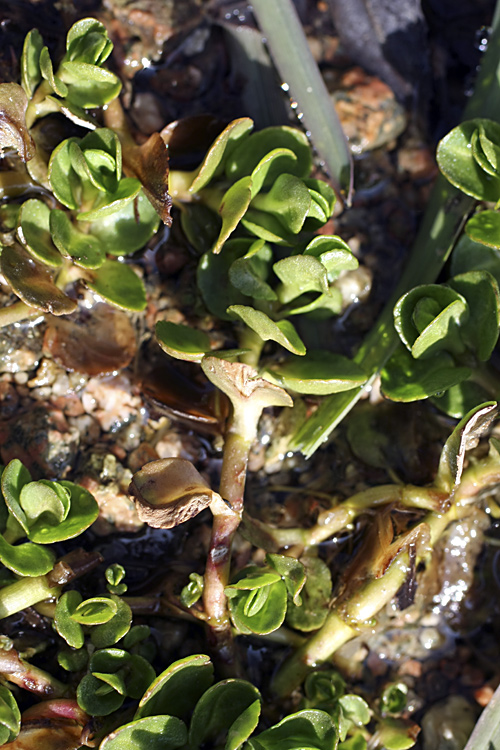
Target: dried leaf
13, 130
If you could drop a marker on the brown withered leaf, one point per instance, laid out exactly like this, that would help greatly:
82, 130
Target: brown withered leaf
169, 491
13, 130
96, 343
33, 282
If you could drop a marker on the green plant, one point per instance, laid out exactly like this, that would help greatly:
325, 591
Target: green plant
90, 214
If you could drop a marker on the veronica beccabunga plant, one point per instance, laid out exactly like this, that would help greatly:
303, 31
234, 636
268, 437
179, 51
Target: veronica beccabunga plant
86, 212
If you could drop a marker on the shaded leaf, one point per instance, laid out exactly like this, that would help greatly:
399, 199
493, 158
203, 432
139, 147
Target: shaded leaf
109, 633
128, 229
292, 572
66, 626
315, 596
32, 282
484, 227
257, 602
318, 372
267, 227
480, 290
63, 178
407, 379
13, 131
127, 190
212, 278
227, 711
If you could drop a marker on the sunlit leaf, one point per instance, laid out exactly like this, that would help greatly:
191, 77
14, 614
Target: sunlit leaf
182, 342
87, 41
128, 229
480, 290
151, 733
484, 227
34, 232
213, 164
109, 633
26, 559
257, 602
288, 201
118, 284
299, 274
84, 249
127, 190
334, 253
274, 163
178, 688
89, 86
232, 208
456, 160
312, 611
66, 626
247, 155
305, 730
283, 332
47, 71
30, 61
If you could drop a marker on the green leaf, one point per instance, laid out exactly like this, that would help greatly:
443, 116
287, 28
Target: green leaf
182, 342
128, 189
461, 398
283, 332
249, 274
89, 86
407, 379
334, 254
15, 476
201, 226
47, 71
397, 734
267, 227
484, 227
83, 511
274, 163
236, 132
178, 688
118, 284
64, 623
193, 591
95, 611
227, 711
288, 201
109, 633
480, 290
479, 153
73, 660
257, 602
299, 274
304, 730
247, 154
394, 697
324, 195
31, 74
318, 372
428, 319
213, 278
473, 256
314, 597
34, 232
87, 41
456, 160
128, 229
84, 249
44, 498
10, 716
26, 559
234, 204
490, 149
291, 571
63, 178
355, 709
151, 733
97, 698
13, 131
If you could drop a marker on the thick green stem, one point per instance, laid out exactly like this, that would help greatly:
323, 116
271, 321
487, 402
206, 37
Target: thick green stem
25, 593
250, 340
16, 313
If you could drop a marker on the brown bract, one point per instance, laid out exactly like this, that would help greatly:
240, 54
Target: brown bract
169, 491
241, 382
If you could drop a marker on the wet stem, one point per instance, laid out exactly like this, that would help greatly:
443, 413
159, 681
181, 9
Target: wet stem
226, 519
